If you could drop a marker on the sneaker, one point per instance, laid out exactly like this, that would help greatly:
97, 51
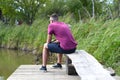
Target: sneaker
43, 68
58, 65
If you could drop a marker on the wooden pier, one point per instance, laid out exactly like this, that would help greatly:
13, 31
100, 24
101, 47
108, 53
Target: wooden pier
86, 66
32, 72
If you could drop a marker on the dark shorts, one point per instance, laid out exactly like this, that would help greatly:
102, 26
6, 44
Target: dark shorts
55, 47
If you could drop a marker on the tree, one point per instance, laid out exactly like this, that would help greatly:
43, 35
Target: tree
0, 14
84, 8
117, 8
53, 6
7, 9
27, 10
24, 10
93, 9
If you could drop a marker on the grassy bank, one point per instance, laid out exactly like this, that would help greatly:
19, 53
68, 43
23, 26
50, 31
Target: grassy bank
102, 40
99, 38
23, 36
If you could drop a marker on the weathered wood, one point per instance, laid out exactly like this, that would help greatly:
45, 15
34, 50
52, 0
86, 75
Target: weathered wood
70, 70
87, 67
32, 72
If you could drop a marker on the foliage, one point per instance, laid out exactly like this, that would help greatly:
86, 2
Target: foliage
57, 6
26, 10
97, 37
21, 10
7, 9
80, 9
116, 8
23, 37
101, 39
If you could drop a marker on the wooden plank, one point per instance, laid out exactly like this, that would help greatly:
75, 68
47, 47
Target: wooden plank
32, 72
87, 67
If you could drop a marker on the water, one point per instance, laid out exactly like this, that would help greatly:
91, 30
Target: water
11, 59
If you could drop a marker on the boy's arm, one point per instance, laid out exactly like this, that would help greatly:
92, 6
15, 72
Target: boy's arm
49, 38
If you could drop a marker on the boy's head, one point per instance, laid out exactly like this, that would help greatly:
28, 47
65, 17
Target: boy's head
54, 17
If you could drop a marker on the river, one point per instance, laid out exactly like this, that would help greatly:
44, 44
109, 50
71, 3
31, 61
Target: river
11, 59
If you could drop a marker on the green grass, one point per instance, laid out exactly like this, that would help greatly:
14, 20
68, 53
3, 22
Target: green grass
98, 37
24, 36
101, 39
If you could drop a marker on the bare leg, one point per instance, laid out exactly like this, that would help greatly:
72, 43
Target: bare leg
59, 57
45, 55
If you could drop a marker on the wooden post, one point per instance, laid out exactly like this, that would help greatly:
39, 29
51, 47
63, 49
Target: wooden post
70, 70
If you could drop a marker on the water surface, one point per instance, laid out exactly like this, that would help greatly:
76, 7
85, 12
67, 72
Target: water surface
11, 59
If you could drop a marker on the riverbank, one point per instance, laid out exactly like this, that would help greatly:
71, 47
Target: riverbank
98, 37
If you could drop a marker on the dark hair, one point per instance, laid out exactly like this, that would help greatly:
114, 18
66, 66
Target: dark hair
54, 16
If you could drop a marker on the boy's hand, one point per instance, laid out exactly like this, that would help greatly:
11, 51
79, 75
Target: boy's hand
55, 41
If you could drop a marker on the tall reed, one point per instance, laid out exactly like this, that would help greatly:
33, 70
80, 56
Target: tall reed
98, 37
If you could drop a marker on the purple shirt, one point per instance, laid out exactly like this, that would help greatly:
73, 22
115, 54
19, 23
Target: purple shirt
63, 34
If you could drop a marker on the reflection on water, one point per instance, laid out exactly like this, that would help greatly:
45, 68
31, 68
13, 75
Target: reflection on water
11, 59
